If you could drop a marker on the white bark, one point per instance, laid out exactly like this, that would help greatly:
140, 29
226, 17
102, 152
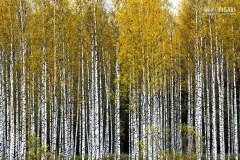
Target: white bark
198, 113
130, 140
221, 103
23, 78
11, 109
90, 111
83, 108
190, 113
23, 105
228, 112
160, 122
44, 103
39, 111
214, 134
172, 115
117, 109
198, 90
232, 112
136, 133
2, 108
68, 114
235, 113
107, 85
134, 123
207, 113
55, 103
17, 142
180, 112
143, 114
64, 127
7, 96
166, 117
155, 124
95, 94
149, 115
32, 130
71, 99
101, 150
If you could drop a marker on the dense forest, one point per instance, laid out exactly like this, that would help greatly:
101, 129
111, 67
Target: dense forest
80, 79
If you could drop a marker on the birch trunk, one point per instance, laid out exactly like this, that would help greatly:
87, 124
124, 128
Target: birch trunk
149, 115
143, 114
235, 112
44, 104
55, 107
101, 153
2, 108
189, 119
117, 108
90, 111
221, 103
22, 17
83, 108
180, 112
107, 85
207, 113
117, 102
11, 109
166, 117
17, 120
228, 112
214, 134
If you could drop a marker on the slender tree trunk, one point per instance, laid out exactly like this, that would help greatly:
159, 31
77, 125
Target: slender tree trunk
107, 86
2, 107
44, 103
117, 108
83, 108
143, 114
228, 112
166, 115
90, 111
235, 113
190, 123
207, 112
101, 150
55, 103
23, 77
214, 132
172, 115
180, 111
17, 119
11, 109
117, 100
221, 103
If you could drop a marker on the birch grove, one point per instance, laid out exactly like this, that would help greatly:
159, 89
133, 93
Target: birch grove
128, 80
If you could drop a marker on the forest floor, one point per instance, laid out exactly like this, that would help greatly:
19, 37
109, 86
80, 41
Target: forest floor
169, 157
